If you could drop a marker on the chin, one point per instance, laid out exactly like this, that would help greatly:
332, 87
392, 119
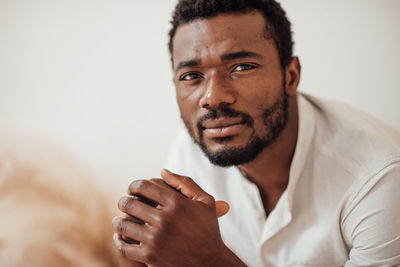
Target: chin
232, 155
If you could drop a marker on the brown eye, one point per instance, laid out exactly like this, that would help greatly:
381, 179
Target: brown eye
189, 77
243, 67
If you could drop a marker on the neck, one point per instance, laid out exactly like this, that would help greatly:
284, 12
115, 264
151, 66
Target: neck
270, 170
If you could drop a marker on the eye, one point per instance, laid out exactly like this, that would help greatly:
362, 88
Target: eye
243, 67
189, 76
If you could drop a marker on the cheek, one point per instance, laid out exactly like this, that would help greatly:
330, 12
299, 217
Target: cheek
188, 107
255, 103
258, 100
188, 100
185, 103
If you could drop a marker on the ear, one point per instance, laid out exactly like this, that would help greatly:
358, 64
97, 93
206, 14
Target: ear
293, 71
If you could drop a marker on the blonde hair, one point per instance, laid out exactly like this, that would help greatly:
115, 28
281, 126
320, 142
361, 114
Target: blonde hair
52, 213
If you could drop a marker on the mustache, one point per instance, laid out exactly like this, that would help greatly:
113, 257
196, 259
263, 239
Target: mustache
227, 113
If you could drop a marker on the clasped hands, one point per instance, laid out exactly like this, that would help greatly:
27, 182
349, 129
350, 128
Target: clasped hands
180, 229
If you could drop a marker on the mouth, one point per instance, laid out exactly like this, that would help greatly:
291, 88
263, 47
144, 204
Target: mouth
222, 127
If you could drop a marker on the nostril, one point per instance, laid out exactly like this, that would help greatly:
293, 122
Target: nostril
206, 105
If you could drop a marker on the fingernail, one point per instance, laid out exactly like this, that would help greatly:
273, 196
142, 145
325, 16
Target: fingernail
165, 171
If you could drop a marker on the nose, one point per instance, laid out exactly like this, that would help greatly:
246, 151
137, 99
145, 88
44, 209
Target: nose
217, 93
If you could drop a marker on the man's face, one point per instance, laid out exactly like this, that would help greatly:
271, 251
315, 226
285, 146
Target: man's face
229, 86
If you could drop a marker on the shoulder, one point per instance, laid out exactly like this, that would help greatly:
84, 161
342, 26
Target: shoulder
354, 140
370, 220
364, 155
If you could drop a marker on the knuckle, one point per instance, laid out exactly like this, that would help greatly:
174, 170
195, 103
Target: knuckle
156, 242
187, 180
156, 234
174, 200
120, 227
149, 255
140, 185
131, 185
172, 210
157, 220
135, 186
152, 238
164, 222
124, 203
121, 250
210, 198
165, 225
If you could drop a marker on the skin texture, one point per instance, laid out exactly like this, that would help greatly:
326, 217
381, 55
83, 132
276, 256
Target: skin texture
249, 84
179, 219
208, 78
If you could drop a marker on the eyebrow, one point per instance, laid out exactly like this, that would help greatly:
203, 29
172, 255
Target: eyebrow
224, 57
189, 63
240, 54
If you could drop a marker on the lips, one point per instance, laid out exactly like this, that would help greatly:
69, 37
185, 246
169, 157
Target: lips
222, 127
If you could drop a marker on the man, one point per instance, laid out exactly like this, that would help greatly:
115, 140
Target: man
309, 183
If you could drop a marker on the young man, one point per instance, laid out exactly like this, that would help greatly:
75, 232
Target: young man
309, 183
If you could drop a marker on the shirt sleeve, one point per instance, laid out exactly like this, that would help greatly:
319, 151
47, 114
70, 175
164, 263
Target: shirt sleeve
371, 226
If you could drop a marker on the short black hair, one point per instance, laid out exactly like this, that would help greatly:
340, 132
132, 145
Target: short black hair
278, 25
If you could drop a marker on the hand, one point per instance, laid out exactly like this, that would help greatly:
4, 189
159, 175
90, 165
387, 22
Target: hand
181, 231
124, 262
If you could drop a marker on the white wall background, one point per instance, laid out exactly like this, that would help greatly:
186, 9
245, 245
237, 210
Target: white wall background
93, 76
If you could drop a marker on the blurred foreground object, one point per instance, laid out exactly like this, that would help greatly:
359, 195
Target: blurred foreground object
52, 213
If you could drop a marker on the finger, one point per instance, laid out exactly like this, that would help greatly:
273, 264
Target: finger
187, 187
146, 201
161, 182
127, 251
195, 192
221, 207
157, 181
129, 229
133, 219
124, 262
152, 191
138, 209
130, 252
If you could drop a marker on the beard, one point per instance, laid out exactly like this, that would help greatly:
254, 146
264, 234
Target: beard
275, 119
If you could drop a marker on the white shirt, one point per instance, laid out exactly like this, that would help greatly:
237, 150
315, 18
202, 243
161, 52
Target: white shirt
340, 208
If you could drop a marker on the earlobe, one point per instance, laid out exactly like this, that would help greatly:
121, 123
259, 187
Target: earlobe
293, 71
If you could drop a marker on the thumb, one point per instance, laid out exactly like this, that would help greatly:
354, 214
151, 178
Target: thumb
221, 207
124, 262
186, 186
193, 191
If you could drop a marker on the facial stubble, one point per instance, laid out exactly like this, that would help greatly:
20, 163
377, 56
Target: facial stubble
275, 119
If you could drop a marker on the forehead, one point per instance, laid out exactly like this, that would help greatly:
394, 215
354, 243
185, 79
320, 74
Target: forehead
224, 33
